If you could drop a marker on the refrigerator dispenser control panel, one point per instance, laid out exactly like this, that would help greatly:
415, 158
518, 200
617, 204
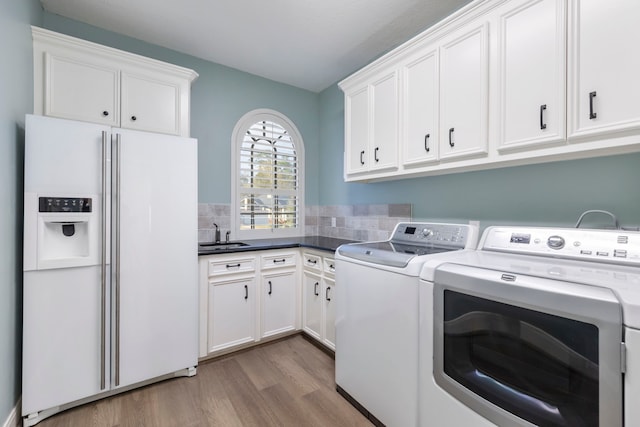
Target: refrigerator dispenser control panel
65, 204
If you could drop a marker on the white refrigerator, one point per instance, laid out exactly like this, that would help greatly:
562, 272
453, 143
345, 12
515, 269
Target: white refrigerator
110, 262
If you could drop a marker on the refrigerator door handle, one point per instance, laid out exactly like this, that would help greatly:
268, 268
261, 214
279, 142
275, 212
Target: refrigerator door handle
117, 260
103, 266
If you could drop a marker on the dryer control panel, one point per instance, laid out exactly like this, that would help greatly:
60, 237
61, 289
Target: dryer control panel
612, 246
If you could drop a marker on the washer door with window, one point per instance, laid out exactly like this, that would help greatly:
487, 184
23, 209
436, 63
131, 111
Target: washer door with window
522, 350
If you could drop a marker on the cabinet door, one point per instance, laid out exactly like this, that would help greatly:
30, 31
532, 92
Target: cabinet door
463, 96
357, 130
420, 109
531, 73
232, 313
278, 303
329, 313
604, 66
150, 104
312, 305
81, 91
383, 148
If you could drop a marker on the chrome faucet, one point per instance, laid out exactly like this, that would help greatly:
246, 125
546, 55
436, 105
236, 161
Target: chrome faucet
226, 238
217, 238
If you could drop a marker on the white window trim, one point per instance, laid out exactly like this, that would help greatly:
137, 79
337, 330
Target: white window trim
236, 142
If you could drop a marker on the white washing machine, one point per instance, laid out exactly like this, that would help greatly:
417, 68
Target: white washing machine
539, 326
377, 317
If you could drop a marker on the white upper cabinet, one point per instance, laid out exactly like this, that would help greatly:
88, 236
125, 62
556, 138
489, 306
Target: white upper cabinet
464, 89
604, 66
371, 126
150, 103
384, 105
419, 111
357, 130
80, 80
498, 83
79, 90
531, 73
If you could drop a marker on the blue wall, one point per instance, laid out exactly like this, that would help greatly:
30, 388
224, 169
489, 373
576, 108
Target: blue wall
220, 97
16, 100
546, 194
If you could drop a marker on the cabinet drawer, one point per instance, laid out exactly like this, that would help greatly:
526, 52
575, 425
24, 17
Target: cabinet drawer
232, 265
278, 260
312, 262
329, 266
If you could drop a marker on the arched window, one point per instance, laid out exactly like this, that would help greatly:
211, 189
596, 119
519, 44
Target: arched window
267, 194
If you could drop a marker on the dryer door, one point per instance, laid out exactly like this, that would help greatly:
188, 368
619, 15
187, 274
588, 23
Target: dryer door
528, 351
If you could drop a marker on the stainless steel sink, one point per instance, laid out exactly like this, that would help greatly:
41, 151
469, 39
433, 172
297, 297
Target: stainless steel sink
222, 246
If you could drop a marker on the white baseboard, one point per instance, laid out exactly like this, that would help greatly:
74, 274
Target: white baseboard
14, 416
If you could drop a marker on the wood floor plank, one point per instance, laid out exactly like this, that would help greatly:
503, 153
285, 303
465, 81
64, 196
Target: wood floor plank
287, 383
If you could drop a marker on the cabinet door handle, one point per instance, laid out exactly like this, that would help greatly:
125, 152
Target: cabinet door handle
105, 113
246, 292
270, 287
134, 118
426, 142
326, 294
543, 125
315, 289
275, 261
592, 115
233, 265
375, 154
451, 143
361, 157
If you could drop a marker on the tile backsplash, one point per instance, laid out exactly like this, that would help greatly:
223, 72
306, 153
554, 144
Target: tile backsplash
353, 222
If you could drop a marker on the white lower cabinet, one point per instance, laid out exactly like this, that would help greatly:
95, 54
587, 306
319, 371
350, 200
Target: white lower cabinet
247, 297
312, 305
232, 313
318, 289
329, 307
278, 302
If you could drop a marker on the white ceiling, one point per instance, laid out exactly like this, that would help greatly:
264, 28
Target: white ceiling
309, 44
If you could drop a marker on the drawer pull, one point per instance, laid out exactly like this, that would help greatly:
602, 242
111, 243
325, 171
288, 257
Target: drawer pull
312, 261
233, 265
276, 261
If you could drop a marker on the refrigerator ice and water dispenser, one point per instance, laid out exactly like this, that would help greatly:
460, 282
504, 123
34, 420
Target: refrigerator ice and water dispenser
67, 232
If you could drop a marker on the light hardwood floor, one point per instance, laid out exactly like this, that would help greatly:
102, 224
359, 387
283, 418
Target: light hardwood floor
285, 383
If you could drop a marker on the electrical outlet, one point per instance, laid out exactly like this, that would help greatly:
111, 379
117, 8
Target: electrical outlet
333, 221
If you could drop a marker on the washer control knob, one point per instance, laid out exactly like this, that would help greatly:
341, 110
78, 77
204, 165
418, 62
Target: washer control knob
426, 232
555, 242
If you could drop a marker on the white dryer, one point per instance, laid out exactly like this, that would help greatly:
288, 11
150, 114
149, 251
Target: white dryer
377, 317
539, 326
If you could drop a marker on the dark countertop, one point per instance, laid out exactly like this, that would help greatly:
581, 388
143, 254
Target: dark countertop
329, 244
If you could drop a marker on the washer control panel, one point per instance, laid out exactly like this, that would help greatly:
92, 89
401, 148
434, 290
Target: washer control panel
614, 246
423, 233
